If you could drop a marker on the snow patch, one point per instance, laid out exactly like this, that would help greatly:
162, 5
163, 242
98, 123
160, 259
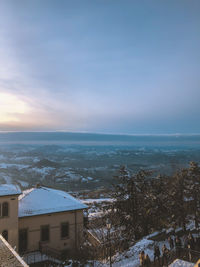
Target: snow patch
181, 263
23, 183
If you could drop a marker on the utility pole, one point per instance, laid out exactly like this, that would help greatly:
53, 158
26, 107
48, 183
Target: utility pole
108, 225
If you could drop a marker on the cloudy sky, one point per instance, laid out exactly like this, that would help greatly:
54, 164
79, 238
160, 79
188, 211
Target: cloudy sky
109, 66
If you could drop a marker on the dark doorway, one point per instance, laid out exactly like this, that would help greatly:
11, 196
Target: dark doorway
23, 240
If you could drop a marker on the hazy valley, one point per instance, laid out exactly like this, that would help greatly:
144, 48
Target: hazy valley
87, 167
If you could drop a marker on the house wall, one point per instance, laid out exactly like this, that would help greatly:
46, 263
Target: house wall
10, 223
33, 225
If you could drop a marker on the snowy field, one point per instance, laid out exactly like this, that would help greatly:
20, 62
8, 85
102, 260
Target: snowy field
87, 167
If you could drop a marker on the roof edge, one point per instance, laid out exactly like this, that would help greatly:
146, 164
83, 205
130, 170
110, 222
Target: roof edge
11, 195
48, 213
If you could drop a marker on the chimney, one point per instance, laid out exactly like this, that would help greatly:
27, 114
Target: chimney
38, 185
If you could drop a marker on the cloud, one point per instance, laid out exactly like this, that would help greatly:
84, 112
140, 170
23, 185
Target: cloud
64, 67
11, 107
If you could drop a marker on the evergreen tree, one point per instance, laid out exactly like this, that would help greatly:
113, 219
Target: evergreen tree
177, 198
194, 190
159, 201
130, 198
144, 203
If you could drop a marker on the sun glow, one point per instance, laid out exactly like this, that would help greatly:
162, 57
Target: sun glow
11, 108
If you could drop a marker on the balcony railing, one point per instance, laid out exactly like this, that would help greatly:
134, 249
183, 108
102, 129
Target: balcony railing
36, 257
46, 255
52, 252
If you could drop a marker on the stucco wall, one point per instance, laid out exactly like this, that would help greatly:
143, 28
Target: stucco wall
10, 223
54, 220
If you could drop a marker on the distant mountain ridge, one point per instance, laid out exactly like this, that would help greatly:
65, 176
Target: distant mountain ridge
70, 138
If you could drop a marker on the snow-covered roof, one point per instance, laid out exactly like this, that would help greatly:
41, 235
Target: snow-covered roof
9, 189
43, 200
181, 263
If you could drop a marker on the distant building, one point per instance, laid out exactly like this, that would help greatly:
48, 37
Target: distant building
40, 217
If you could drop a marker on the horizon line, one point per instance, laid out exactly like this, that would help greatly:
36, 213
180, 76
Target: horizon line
103, 133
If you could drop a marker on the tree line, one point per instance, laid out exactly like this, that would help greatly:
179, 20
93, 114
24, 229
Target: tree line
144, 203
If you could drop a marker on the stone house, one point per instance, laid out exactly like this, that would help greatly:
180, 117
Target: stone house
40, 218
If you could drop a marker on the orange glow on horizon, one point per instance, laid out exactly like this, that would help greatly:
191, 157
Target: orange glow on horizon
11, 108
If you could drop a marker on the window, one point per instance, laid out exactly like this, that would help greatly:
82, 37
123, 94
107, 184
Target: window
5, 235
65, 230
5, 209
45, 233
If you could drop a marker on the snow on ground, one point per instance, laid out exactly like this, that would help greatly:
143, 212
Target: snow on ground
2, 157
96, 214
72, 175
42, 171
181, 263
67, 174
96, 200
94, 209
7, 178
94, 169
68, 149
84, 179
9, 165
36, 159
23, 183
130, 258
89, 178
191, 225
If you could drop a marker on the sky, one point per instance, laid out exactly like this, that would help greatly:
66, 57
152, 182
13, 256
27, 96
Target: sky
108, 66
